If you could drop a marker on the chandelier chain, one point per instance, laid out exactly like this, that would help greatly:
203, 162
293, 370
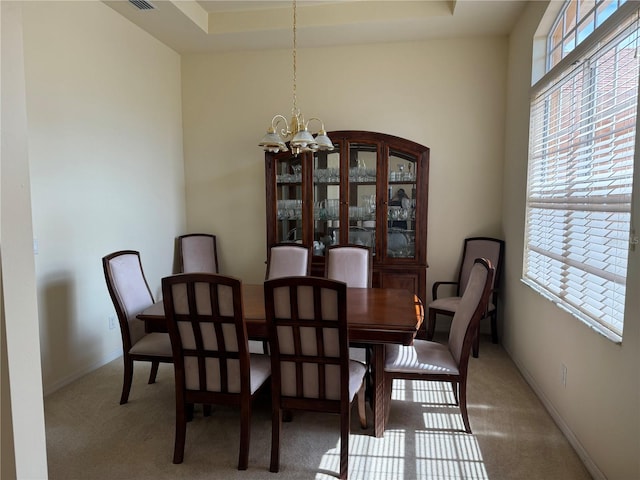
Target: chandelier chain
295, 103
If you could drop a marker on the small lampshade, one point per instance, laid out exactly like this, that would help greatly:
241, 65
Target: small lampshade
303, 139
272, 142
323, 141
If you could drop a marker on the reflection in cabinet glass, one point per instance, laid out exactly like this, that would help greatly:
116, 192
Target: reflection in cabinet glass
371, 190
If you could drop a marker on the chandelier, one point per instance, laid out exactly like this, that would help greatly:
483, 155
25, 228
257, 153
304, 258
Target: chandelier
297, 129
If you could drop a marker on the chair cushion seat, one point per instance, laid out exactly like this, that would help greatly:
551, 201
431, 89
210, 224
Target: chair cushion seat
260, 370
450, 304
423, 357
356, 375
157, 344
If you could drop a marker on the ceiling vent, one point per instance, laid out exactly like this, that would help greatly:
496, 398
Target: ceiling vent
142, 4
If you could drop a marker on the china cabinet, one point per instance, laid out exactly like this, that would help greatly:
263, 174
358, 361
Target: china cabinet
372, 190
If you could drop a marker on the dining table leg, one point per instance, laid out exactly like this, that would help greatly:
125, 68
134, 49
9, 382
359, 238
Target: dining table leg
378, 396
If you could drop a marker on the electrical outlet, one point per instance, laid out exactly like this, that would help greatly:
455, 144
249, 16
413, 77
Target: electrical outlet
112, 322
563, 377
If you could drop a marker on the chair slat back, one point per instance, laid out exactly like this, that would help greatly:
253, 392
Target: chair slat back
207, 330
350, 264
129, 292
472, 306
198, 253
307, 322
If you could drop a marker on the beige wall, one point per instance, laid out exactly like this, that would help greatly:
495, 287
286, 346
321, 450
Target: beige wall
446, 94
598, 409
105, 148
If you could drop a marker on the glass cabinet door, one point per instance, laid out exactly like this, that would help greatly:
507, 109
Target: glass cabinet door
401, 206
289, 199
326, 200
363, 159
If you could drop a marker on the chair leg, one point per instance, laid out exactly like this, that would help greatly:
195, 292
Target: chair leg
245, 432
276, 427
431, 324
476, 344
361, 407
127, 380
181, 431
463, 405
344, 444
388, 386
189, 412
154, 372
494, 326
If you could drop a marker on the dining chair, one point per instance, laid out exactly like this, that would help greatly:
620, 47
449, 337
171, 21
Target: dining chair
198, 252
311, 370
436, 362
353, 265
474, 247
288, 259
130, 295
212, 362
284, 260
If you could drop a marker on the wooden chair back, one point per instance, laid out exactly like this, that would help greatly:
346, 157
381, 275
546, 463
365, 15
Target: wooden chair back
129, 292
288, 260
198, 252
351, 264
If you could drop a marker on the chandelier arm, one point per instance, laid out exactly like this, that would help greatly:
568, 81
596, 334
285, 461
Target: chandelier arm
276, 120
306, 126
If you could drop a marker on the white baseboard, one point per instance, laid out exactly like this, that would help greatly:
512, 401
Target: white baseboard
557, 418
49, 389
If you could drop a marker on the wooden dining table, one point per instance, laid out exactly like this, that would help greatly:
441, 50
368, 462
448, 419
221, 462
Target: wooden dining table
375, 316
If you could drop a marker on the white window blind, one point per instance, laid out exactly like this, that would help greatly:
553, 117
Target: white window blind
581, 157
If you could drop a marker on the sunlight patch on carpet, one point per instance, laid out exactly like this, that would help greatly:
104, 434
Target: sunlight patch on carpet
449, 456
421, 391
438, 456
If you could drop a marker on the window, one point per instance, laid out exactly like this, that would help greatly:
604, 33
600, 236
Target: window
577, 20
581, 158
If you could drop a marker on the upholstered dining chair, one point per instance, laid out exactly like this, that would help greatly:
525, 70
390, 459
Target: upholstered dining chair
436, 362
351, 264
130, 295
288, 259
212, 362
474, 247
310, 365
198, 252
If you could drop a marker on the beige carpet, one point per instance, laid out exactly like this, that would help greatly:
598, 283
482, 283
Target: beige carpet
91, 437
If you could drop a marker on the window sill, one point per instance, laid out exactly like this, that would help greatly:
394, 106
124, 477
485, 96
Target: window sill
596, 327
